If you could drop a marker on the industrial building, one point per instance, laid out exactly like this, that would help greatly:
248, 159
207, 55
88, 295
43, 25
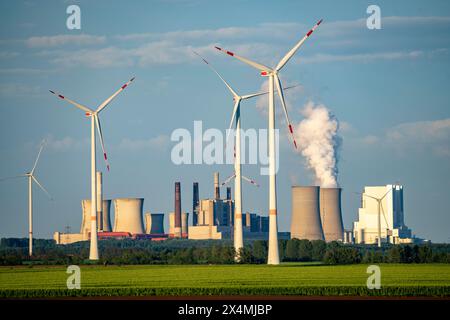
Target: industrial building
211, 219
386, 201
214, 218
316, 213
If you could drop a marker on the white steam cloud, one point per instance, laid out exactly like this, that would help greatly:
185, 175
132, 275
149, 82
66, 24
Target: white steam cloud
318, 140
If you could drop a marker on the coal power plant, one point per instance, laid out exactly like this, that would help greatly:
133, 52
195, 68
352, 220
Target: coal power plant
316, 213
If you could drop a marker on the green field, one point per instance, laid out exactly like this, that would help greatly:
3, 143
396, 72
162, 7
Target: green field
286, 279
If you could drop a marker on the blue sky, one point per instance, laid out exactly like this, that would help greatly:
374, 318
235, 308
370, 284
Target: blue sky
388, 88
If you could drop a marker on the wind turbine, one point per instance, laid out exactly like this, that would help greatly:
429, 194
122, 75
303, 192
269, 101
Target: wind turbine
378, 200
31, 178
95, 123
272, 74
238, 234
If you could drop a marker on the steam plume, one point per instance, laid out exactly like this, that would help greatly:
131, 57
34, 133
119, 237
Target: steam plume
318, 139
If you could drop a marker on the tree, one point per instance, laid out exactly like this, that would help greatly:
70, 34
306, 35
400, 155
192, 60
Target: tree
292, 249
393, 255
260, 251
305, 250
318, 250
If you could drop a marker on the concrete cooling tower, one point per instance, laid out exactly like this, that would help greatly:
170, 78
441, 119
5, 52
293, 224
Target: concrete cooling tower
128, 215
154, 223
305, 219
331, 214
184, 224
86, 216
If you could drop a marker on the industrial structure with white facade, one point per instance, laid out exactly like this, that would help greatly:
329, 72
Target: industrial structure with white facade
382, 210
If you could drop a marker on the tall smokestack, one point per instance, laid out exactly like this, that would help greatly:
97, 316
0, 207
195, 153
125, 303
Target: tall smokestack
228, 193
331, 214
177, 229
99, 201
216, 186
195, 203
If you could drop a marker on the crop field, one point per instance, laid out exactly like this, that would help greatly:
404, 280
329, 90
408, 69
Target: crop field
170, 280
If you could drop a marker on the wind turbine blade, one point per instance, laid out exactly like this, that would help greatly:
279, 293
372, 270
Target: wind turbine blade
384, 215
235, 108
37, 158
40, 186
283, 103
99, 129
295, 48
218, 74
107, 101
14, 177
228, 179
254, 64
76, 104
248, 96
250, 180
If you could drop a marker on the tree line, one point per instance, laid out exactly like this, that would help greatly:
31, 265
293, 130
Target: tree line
181, 251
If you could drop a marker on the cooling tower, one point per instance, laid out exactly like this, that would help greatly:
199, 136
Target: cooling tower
305, 219
195, 203
154, 223
177, 229
330, 214
184, 224
86, 216
128, 215
171, 223
216, 186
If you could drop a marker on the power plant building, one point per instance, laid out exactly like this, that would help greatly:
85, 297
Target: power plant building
393, 228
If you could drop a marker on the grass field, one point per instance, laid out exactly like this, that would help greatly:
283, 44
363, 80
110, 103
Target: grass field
286, 279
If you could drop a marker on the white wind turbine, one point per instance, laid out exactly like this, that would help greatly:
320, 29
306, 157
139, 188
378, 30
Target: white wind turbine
95, 122
31, 178
238, 233
272, 73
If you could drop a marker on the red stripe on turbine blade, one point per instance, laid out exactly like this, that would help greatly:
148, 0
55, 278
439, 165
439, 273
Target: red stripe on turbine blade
218, 48
230, 53
309, 33
290, 129
124, 86
295, 144
107, 167
104, 155
62, 97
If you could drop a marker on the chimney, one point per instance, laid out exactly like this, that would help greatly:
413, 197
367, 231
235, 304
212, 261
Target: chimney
177, 229
195, 203
216, 186
228, 193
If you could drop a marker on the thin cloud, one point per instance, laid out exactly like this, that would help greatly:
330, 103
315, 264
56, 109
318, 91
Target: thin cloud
426, 137
61, 40
159, 142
